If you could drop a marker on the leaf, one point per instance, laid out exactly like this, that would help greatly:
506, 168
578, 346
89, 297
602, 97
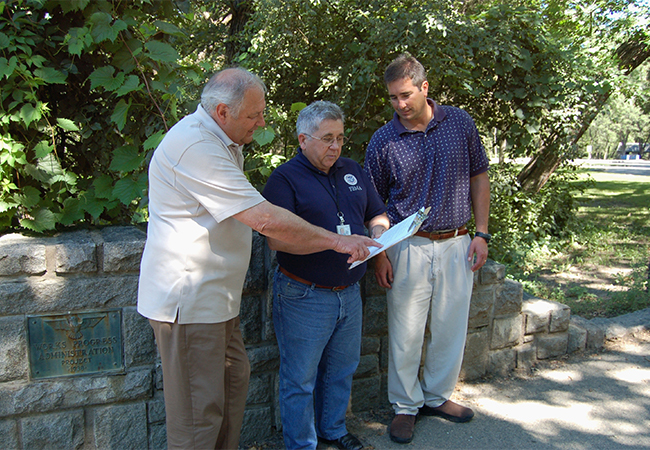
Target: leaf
67, 124
4, 41
50, 75
153, 140
7, 67
43, 219
264, 135
126, 159
120, 114
42, 149
78, 39
298, 106
161, 51
29, 114
169, 28
28, 197
103, 186
126, 190
104, 77
102, 29
72, 211
132, 83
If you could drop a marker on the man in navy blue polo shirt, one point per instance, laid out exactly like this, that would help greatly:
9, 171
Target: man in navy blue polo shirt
317, 307
429, 155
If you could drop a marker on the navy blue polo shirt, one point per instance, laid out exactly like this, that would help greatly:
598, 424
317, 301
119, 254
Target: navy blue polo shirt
312, 194
414, 169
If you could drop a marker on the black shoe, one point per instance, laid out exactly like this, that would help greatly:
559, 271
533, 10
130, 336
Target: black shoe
347, 442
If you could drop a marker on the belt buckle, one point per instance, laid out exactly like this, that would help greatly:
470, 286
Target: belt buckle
338, 288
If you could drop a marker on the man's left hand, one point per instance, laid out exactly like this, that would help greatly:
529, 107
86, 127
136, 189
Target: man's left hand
479, 248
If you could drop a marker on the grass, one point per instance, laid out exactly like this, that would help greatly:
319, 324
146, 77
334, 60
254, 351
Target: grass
604, 270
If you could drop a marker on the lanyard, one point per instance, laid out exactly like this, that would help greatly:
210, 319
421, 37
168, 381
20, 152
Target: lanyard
342, 228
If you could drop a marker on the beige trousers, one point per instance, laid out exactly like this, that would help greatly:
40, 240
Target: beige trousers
432, 281
205, 375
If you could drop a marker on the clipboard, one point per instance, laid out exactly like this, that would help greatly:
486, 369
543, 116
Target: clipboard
397, 233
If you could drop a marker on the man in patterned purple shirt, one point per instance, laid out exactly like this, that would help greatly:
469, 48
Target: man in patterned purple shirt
429, 155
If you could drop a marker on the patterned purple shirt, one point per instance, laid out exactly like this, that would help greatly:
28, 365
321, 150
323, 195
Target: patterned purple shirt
414, 169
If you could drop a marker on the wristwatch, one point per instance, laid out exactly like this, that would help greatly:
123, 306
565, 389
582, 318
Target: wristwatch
485, 236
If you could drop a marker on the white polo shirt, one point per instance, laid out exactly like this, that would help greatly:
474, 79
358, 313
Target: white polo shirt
196, 255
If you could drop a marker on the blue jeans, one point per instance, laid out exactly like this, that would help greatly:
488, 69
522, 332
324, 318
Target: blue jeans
319, 337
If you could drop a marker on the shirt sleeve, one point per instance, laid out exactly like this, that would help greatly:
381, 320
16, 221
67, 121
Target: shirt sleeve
215, 181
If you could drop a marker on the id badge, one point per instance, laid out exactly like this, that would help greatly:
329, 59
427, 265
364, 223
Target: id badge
344, 230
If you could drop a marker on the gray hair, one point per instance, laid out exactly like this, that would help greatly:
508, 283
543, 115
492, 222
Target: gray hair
310, 118
229, 87
405, 66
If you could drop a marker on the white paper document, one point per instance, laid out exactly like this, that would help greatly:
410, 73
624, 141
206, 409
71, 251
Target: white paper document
397, 233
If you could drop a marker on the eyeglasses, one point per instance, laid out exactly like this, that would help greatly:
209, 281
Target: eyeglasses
329, 140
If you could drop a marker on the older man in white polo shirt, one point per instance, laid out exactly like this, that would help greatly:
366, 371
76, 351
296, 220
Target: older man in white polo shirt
201, 211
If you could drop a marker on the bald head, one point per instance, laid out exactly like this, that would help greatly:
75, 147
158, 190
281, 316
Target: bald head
229, 87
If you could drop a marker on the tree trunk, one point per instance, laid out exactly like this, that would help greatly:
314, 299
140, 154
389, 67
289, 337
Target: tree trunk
541, 166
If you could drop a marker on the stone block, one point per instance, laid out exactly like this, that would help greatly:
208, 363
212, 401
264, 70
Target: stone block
9, 433
480, 308
365, 393
560, 318
526, 357
74, 392
62, 294
577, 338
552, 345
506, 331
383, 353
13, 349
22, 255
256, 276
375, 321
368, 366
158, 436
251, 319
595, 334
491, 273
257, 426
121, 426
370, 345
55, 430
139, 344
502, 362
260, 389
123, 247
509, 298
156, 409
75, 252
538, 315
475, 359
264, 358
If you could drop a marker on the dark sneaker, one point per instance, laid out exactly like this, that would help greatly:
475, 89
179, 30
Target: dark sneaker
402, 428
347, 442
450, 411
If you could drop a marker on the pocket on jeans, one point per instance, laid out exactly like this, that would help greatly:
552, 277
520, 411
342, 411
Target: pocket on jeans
291, 290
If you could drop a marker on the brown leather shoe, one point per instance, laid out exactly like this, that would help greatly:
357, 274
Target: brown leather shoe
450, 411
402, 428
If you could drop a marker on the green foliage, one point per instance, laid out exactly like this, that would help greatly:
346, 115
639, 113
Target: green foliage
522, 222
88, 90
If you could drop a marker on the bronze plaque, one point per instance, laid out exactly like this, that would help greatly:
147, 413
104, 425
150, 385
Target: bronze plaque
75, 343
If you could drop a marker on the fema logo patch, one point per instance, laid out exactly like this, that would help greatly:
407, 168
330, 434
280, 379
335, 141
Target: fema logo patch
350, 179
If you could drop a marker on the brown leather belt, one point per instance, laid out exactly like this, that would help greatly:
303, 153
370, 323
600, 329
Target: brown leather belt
438, 235
309, 283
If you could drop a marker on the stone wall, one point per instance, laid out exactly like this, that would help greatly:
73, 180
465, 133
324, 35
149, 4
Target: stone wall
86, 272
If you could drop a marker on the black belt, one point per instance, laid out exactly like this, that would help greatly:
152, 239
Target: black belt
438, 235
309, 283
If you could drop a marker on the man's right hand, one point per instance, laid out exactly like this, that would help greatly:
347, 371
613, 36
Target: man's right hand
383, 270
356, 246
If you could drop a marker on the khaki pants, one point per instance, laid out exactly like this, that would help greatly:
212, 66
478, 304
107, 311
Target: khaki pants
432, 280
205, 376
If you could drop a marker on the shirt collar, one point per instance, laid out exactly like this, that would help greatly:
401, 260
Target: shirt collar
304, 161
439, 115
212, 126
